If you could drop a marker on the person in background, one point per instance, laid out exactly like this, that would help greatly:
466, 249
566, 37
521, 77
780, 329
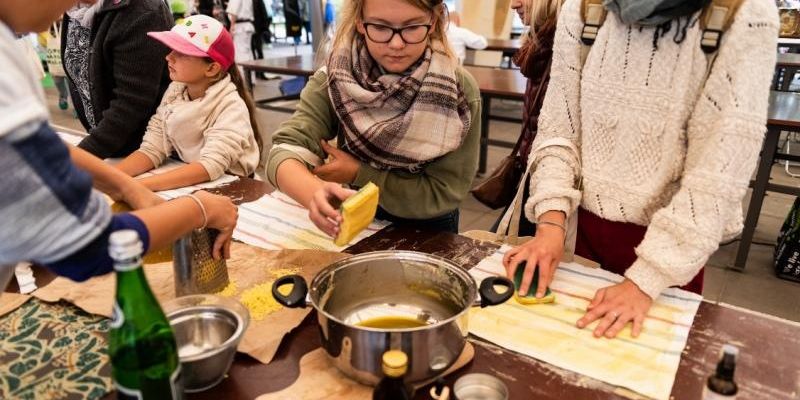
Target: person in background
652, 143
534, 59
53, 216
406, 114
463, 38
293, 20
240, 13
116, 77
50, 41
305, 14
330, 15
261, 23
178, 9
206, 115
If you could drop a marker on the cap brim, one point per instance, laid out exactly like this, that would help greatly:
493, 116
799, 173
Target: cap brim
178, 43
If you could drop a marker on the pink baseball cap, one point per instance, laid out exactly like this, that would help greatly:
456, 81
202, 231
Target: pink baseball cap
199, 36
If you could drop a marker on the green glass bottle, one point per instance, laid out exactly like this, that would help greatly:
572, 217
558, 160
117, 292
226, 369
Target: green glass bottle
144, 357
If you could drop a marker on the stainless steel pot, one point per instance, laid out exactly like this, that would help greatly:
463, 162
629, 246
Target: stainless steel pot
410, 285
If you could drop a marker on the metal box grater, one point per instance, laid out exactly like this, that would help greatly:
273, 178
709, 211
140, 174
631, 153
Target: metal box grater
196, 272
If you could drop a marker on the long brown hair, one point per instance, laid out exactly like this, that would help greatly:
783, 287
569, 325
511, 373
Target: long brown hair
352, 13
236, 78
542, 14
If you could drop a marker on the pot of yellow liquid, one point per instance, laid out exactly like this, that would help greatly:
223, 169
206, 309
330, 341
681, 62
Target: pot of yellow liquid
392, 300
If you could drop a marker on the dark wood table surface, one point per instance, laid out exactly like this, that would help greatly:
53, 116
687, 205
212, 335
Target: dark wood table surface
504, 45
301, 65
499, 82
784, 110
768, 367
791, 60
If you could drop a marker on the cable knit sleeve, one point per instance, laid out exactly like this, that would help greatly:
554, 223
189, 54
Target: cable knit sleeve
227, 138
724, 136
556, 169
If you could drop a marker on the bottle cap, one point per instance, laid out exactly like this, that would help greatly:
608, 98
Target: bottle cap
730, 349
124, 244
727, 363
395, 363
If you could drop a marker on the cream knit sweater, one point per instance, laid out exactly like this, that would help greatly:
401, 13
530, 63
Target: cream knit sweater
213, 130
661, 143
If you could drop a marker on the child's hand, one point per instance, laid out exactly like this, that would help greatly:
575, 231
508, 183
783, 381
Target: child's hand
544, 252
343, 167
322, 209
222, 215
614, 306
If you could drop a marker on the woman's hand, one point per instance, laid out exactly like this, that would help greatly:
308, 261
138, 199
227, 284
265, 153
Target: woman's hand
222, 215
343, 167
544, 251
614, 306
322, 209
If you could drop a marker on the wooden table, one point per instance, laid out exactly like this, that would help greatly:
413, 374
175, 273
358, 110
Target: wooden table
786, 68
783, 115
494, 83
506, 46
791, 43
509, 46
767, 368
300, 66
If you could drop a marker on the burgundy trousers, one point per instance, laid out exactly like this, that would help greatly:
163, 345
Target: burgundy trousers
611, 245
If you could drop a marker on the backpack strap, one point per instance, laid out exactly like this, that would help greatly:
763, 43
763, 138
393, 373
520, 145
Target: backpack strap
593, 14
715, 19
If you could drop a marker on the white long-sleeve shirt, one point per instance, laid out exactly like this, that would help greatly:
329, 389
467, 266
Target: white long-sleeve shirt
663, 142
461, 38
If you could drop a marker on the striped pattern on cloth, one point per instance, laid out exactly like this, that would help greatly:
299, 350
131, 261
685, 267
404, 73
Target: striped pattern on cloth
276, 222
398, 121
547, 332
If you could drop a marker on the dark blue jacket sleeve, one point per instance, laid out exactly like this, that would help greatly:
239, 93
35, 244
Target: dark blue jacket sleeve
94, 259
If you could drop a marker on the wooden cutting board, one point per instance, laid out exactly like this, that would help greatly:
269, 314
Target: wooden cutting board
319, 379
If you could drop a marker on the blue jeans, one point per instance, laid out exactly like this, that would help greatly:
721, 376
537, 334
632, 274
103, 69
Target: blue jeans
443, 223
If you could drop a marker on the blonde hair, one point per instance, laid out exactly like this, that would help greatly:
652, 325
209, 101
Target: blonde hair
352, 13
541, 13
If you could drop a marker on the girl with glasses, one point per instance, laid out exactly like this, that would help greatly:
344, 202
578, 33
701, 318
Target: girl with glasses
405, 115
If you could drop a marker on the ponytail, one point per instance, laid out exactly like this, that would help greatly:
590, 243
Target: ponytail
236, 78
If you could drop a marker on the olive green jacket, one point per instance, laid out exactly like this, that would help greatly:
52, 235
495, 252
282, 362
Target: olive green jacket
434, 191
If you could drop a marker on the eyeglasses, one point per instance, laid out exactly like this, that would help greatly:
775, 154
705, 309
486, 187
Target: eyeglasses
411, 34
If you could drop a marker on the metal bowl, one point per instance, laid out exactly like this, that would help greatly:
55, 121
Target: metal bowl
480, 387
207, 331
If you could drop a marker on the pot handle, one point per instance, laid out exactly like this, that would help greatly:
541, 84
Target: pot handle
490, 296
297, 297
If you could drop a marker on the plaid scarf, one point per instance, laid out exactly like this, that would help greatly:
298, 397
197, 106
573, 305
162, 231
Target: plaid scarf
393, 121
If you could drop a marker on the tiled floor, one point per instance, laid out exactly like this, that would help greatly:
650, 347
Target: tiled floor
757, 288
